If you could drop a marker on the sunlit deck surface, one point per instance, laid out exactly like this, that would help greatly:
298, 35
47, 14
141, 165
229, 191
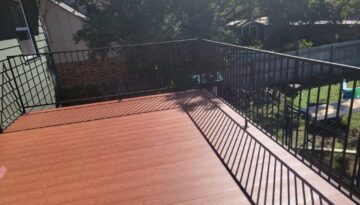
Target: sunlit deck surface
185, 147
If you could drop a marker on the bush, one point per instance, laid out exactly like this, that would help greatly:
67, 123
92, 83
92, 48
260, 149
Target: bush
299, 44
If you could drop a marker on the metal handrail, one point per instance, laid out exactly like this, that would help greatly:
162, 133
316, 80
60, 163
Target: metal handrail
326, 63
111, 47
243, 81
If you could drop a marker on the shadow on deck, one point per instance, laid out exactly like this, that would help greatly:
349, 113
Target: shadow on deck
150, 149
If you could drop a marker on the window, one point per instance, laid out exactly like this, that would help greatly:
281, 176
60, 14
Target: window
23, 33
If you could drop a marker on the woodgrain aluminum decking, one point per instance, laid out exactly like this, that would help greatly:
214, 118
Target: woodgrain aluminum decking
179, 148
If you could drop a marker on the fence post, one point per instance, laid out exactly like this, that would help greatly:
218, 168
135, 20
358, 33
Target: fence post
23, 110
199, 59
332, 53
246, 124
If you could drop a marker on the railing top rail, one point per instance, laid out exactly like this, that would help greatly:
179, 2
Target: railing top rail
112, 47
286, 55
324, 63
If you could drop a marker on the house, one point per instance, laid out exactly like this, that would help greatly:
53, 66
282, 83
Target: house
30, 28
320, 32
22, 30
62, 22
250, 30
33, 27
26, 29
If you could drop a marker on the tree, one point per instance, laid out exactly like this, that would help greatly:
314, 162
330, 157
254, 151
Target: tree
126, 21
136, 21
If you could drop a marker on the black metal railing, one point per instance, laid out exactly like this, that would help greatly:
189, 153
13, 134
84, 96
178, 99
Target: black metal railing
83, 76
301, 103
261, 174
11, 105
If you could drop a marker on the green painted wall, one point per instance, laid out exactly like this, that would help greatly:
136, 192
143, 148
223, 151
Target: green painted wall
33, 78
11, 47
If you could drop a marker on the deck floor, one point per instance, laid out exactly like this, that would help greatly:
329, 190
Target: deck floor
179, 148
156, 157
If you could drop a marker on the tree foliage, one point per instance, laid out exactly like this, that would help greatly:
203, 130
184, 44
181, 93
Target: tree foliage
136, 21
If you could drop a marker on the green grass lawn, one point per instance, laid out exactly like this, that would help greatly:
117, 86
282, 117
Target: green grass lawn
305, 136
271, 118
310, 97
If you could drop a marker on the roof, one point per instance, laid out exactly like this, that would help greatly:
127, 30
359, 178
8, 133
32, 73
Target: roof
245, 22
326, 22
101, 4
69, 9
265, 21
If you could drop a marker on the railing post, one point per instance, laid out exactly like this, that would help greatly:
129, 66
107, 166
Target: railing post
358, 163
356, 174
57, 87
198, 59
23, 110
2, 98
246, 123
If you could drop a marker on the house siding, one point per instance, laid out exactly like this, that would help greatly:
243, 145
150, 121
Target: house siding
12, 47
61, 27
22, 71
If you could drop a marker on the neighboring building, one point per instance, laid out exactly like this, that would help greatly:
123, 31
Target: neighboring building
26, 29
250, 30
79, 6
22, 33
321, 32
21, 28
62, 22
29, 31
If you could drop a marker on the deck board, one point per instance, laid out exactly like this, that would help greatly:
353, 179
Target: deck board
157, 158
179, 148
